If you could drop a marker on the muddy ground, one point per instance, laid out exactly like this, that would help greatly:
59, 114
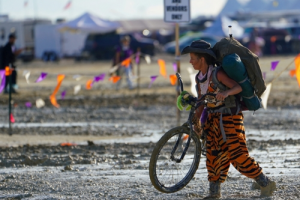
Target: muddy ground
114, 133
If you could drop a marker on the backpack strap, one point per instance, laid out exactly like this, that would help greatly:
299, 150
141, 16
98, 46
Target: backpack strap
197, 84
230, 100
215, 80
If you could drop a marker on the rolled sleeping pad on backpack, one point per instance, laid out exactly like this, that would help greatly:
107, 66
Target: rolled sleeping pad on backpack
235, 69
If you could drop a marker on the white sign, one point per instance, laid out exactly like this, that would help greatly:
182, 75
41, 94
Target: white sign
177, 11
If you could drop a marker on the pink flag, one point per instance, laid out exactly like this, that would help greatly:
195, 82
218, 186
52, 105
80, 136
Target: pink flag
12, 119
68, 5
175, 67
274, 65
42, 77
63, 94
153, 78
25, 3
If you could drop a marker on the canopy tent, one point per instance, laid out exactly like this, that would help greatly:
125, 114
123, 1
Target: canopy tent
234, 6
220, 28
89, 23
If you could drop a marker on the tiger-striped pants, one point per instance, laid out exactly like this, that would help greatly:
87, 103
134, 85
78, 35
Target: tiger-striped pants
220, 154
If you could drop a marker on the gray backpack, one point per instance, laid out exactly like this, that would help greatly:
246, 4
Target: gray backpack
228, 46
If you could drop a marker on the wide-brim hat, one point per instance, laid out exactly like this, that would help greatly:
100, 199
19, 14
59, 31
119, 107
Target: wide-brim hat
199, 46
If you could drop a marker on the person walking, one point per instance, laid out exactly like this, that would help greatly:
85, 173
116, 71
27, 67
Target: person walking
220, 154
122, 53
9, 54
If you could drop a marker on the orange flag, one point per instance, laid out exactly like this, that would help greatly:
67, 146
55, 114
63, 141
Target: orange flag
7, 71
162, 66
297, 64
297, 61
115, 79
126, 62
298, 75
292, 72
53, 101
88, 85
60, 78
173, 79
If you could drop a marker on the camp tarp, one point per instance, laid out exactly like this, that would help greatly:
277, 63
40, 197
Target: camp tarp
89, 23
220, 28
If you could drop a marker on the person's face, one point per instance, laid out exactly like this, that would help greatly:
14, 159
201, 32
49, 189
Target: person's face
125, 43
12, 40
198, 63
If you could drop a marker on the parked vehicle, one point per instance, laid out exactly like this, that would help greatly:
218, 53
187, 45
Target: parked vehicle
48, 38
187, 40
103, 46
24, 30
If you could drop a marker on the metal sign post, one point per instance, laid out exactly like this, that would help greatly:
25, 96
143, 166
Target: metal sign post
177, 11
9, 101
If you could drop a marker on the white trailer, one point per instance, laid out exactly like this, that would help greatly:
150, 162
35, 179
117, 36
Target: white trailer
24, 30
50, 39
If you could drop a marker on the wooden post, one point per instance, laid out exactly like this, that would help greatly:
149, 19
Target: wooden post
177, 56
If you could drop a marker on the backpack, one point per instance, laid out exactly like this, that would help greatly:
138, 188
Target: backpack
236, 70
228, 46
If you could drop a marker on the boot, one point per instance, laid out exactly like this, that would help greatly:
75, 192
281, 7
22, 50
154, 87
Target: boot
214, 190
267, 186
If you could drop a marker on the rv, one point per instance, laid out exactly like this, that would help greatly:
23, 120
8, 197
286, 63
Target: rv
24, 31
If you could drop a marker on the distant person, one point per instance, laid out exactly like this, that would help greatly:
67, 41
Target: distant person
9, 54
256, 43
122, 53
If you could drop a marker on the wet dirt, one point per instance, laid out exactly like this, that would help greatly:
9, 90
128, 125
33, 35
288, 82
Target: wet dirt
114, 133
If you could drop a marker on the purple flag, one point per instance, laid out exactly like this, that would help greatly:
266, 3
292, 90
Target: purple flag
274, 65
63, 94
175, 67
153, 78
264, 75
204, 116
137, 58
99, 78
28, 104
42, 77
2, 76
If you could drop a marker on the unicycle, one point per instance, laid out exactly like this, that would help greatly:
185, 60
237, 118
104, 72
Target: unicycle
176, 156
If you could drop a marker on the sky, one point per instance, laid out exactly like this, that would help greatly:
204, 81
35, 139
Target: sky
106, 9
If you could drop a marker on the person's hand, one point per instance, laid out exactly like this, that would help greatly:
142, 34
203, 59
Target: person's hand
222, 95
183, 100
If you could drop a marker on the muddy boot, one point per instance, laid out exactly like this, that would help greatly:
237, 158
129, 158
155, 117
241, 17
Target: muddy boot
214, 190
267, 187
255, 186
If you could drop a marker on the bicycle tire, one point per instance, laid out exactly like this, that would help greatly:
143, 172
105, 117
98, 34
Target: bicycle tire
155, 154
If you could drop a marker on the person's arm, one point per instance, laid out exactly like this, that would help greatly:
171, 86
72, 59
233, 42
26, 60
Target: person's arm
17, 52
234, 87
132, 66
117, 58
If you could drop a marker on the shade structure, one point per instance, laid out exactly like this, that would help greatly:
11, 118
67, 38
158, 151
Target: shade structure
89, 23
220, 28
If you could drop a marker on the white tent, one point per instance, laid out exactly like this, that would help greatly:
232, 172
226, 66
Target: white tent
89, 23
220, 28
